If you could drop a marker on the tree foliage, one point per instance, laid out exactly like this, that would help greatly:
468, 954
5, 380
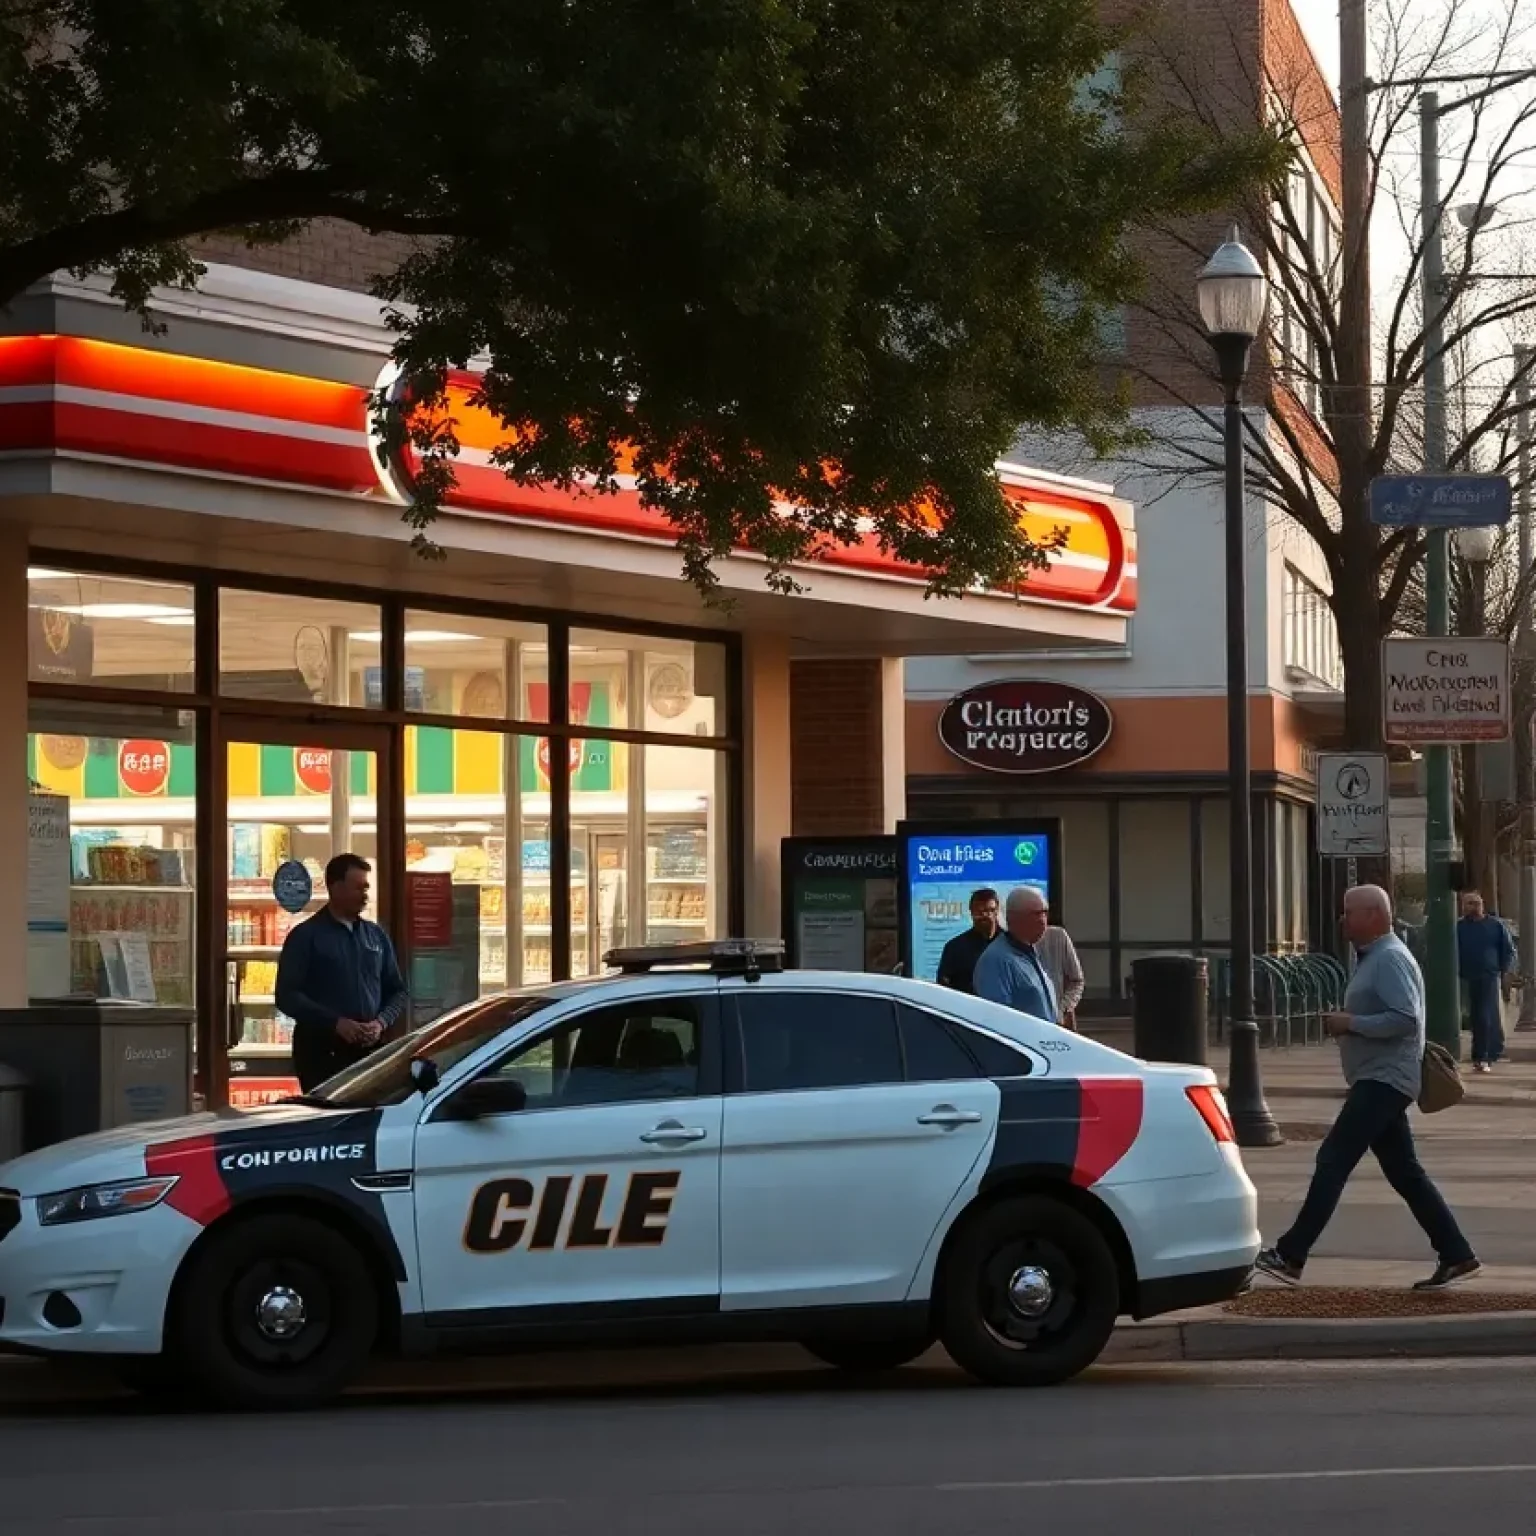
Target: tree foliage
829, 253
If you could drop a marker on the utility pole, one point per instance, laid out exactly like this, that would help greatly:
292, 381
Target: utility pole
1442, 992
1525, 750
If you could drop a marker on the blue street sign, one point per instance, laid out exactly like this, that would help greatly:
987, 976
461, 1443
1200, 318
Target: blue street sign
1441, 501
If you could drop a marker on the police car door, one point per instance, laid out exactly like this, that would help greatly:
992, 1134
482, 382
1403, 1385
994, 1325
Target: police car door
604, 1188
844, 1144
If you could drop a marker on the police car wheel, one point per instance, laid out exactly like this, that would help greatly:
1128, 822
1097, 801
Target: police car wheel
867, 1356
1030, 1294
280, 1312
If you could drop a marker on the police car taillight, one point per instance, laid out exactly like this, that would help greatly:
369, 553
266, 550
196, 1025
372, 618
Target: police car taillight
1213, 1110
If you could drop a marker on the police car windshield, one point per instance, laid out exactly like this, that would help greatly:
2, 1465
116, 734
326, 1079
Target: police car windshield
385, 1076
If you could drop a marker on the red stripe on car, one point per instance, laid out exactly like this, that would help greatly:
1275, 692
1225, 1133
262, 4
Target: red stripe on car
1109, 1122
199, 1193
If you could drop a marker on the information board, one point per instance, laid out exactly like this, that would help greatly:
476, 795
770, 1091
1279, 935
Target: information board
840, 908
940, 866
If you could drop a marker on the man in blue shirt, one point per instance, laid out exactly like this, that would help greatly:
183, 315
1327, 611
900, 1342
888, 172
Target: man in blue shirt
1485, 953
1009, 971
338, 978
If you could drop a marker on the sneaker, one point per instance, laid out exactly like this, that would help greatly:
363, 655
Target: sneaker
1482, 1066
1449, 1274
1270, 1262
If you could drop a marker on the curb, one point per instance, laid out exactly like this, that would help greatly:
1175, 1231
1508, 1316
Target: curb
1469, 1335
1520, 1099
1198, 1339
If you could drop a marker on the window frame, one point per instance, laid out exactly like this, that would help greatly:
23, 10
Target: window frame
710, 1077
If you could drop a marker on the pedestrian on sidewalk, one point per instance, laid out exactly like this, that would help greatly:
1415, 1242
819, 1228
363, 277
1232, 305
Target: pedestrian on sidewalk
1485, 956
957, 963
1380, 1032
1058, 955
1009, 971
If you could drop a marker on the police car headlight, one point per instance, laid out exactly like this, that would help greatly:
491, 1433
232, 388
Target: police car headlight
93, 1200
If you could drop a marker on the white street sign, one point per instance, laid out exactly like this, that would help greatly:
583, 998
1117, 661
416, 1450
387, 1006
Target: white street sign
1445, 690
1351, 805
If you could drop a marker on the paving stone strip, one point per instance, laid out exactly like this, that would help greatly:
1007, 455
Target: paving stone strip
1374, 1301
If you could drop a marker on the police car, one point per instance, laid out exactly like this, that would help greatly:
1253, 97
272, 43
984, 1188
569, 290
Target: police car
703, 1146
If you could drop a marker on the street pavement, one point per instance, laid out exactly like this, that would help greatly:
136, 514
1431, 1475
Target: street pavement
1411, 1449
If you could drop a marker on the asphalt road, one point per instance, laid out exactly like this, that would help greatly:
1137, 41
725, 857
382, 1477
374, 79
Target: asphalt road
1268, 1450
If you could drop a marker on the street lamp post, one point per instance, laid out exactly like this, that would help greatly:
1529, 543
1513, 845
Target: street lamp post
1232, 291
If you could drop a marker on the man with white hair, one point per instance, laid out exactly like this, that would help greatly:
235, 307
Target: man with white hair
1380, 1031
1010, 970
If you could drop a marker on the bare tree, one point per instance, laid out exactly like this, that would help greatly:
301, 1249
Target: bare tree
1343, 415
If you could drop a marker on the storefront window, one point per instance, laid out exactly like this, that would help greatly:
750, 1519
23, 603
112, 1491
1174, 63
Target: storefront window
646, 683
477, 865
111, 854
648, 848
108, 631
484, 669
304, 650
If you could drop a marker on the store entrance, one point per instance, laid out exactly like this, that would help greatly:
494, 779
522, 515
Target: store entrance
294, 797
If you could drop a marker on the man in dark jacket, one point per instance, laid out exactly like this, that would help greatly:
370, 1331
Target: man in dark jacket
338, 978
1485, 953
957, 965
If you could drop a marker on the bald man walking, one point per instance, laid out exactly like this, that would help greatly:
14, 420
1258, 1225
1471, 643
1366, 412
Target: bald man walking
1010, 971
1380, 1032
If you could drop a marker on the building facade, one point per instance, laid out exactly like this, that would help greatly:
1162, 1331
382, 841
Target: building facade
1145, 817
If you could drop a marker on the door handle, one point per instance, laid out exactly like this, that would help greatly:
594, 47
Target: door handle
949, 1117
673, 1130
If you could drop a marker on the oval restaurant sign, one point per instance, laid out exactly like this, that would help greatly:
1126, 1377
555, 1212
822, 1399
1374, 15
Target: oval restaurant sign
1021, 725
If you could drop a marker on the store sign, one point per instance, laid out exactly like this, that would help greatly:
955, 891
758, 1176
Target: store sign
1023, 725
1445, 690
312, 768
61, 648
144, 766
575, 751
292, 886
431, 910
1352, 805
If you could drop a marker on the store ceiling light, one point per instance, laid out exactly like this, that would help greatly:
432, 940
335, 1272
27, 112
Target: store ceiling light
158, 613
412, 636
42, 573
174, 620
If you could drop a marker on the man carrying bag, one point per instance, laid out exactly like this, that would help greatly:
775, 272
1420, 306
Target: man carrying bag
1380, 1032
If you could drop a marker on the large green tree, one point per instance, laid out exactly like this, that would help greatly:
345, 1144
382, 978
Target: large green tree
833, 252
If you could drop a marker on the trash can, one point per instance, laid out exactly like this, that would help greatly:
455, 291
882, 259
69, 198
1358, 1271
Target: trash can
13, 1101
1169, 1008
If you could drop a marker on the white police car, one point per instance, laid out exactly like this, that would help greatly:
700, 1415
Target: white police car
702, 1147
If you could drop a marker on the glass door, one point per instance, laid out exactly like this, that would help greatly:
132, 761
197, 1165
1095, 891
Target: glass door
295, 797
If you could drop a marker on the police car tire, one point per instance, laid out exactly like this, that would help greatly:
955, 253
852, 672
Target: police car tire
213, 1362
963, 1327
867, 1356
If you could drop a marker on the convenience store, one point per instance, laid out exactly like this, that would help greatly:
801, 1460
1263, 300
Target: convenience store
544, 743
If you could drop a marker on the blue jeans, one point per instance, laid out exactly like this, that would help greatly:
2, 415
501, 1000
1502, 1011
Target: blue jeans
1487, 1018
1374, 1119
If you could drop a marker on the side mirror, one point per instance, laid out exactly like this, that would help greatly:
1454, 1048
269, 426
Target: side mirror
489, 1096
423, 1074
